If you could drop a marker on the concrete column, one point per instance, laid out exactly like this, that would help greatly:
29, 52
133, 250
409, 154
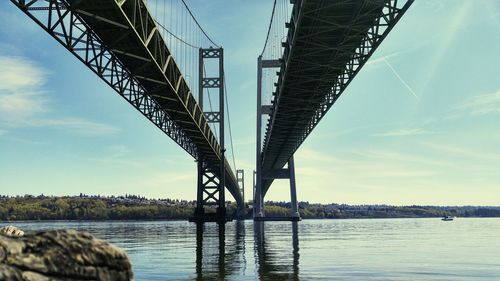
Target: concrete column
293, 189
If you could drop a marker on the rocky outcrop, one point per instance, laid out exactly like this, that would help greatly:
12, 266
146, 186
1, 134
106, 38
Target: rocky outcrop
61, 255
11, 231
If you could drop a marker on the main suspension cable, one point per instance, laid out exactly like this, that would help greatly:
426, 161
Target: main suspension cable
229, 119
269, 28
201, 28
176, 37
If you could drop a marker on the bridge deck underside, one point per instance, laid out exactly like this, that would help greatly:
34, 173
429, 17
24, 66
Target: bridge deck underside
143, 52
326, 38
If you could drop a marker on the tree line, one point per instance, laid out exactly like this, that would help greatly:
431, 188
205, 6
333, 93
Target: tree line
131, 207
345, 211
86, 208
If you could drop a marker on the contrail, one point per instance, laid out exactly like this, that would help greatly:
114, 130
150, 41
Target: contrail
378, 60
400, 79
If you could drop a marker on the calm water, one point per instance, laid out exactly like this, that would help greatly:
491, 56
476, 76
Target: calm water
376, 249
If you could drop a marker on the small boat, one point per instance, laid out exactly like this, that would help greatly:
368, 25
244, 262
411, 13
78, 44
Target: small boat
447, 218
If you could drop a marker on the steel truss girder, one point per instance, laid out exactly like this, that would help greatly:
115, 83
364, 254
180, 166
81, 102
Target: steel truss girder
135, 61
304, 94
70, 30
276, 174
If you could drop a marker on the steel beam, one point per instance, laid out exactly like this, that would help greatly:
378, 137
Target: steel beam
240, 176
211, 183
258, 200
261, 173
293, 188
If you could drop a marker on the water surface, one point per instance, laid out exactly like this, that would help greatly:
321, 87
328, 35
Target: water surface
362, 249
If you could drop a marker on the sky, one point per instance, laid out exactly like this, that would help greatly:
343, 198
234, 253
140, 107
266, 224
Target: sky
420, 124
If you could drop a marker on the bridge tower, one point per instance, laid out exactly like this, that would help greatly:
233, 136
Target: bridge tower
240, 178
262, 174
211, 183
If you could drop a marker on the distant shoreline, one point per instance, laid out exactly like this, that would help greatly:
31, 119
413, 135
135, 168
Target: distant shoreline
248, 219
136, 208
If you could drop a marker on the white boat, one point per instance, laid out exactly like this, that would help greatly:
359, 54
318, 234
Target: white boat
448, 218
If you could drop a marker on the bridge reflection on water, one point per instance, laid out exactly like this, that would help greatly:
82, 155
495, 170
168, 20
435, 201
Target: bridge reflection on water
179, 250
219, 256
374, 249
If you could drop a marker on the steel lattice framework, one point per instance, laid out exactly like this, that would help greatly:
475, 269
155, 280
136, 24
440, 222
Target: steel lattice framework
121, 43
328, 42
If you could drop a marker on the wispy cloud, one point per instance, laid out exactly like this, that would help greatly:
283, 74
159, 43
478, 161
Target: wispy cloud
21, 94
23, 100
19, 106
479, 105
76, 125
439, 168
365, 165
399, 158
471, 154
118, 155
313, 155
19, 73
174, 179
406, 132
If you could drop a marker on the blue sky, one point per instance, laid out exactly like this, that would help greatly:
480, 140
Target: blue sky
420, 124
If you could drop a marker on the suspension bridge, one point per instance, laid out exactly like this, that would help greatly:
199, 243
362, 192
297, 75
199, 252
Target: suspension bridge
157, 56
312, 59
